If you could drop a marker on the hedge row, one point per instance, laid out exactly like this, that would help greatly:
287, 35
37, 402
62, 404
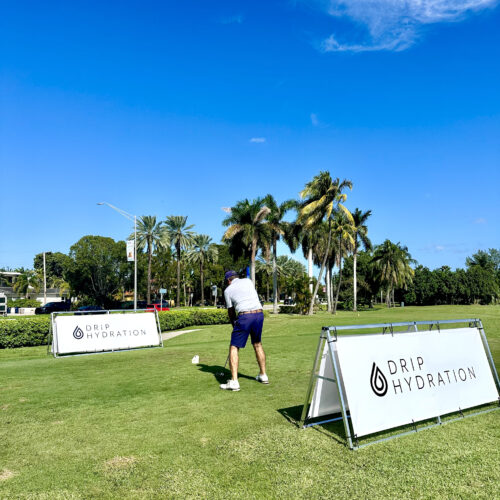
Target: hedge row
23, 303
173, 320
22, 332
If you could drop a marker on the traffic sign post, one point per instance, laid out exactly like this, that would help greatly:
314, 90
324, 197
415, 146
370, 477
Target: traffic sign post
162, 291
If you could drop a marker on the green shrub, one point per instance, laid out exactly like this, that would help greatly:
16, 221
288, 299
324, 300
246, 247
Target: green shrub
289, 309
23, 303
22, 332
173, 320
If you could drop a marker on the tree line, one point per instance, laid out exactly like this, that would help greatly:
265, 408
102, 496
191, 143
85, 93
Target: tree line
351, 269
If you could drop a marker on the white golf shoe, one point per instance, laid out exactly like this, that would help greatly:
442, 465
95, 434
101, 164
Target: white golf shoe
231, 385
263, 379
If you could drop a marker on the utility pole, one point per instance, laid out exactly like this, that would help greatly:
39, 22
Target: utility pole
131, 218
44, 281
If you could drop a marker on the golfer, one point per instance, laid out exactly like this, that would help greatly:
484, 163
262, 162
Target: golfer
246, 316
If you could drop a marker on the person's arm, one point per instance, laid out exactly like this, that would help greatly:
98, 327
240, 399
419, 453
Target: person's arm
232, 315
230, 307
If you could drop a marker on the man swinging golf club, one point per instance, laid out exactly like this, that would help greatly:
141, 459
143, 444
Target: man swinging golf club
246, 316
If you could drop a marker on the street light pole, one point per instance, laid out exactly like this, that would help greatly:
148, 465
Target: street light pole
44, 281
135, 263
131, 218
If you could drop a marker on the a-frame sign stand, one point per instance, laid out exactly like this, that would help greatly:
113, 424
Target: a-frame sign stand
326, 379
327, 356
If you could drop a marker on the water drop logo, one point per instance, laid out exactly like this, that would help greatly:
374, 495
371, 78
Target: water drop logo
378, 381
78, 333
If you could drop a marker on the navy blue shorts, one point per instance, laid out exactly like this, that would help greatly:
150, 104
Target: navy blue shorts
245, 325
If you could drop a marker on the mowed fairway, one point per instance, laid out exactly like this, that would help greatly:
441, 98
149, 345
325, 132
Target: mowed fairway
149, 424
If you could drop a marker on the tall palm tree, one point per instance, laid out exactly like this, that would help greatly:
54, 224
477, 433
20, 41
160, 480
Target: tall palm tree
267, 268
319, 249
180, 236
297, 235
322, 197
203, 251
392, 264
343, 231
150, 235
278, 227
247, 231
360, 231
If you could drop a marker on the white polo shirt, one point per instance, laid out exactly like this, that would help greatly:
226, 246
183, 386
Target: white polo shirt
241, 295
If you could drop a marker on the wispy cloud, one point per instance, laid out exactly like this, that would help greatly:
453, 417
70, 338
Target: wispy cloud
314, 119
258, 140
238, 19
454, 248
392, 25
480, 220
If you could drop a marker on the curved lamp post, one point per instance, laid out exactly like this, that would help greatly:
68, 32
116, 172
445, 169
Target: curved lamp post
134, 219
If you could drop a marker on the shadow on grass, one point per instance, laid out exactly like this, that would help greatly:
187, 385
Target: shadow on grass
220, 373
334, 430
292, 414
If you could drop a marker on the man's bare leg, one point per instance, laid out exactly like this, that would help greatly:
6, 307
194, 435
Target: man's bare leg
261, 357
233, 361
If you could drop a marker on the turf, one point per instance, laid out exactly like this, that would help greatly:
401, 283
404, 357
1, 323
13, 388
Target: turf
149, 424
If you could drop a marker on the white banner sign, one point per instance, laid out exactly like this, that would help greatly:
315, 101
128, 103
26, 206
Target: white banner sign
392, 380
130, 250
104, 332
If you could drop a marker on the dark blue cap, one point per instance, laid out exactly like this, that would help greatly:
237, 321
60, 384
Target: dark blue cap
230, 274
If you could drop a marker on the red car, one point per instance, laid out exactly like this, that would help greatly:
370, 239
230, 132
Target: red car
157, 307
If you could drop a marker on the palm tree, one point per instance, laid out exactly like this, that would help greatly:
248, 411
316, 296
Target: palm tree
278, 227
187, 277
297, 235
150, 235
289, 266
392, 263
28, 280
267, 268
343, 231
264, 269
247, 231
482, 259
203, 251
360, 239
59, 283
323, 197
320, 241
181, 236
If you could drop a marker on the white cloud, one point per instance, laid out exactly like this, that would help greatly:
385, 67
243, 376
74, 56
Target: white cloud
258, 140
314, 119
393, 24
480, 220
453, 248
238, 19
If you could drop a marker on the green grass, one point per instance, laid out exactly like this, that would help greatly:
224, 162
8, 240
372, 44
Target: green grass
149, 424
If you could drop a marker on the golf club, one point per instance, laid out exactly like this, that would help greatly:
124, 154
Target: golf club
221, 374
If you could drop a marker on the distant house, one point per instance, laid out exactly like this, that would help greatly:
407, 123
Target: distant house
7, 280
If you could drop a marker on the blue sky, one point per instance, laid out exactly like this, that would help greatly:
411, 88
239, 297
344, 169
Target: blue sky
167, 108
